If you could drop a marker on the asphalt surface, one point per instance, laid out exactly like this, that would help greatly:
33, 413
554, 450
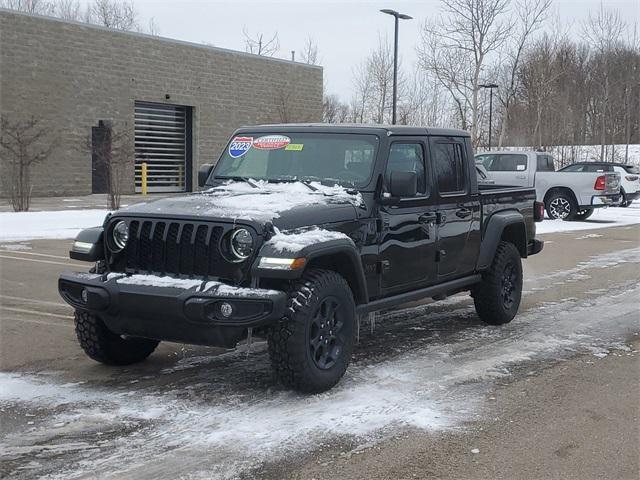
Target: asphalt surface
552, 395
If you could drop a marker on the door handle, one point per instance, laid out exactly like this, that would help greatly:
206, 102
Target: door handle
463, 213
428, 218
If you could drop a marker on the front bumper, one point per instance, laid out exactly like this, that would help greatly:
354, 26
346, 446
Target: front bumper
174, 310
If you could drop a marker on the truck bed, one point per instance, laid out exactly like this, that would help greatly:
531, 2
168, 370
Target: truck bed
495, 198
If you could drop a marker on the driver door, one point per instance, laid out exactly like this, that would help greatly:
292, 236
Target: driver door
408, 231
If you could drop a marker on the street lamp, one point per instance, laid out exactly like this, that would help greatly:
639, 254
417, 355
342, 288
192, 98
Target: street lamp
397, 16
490, 86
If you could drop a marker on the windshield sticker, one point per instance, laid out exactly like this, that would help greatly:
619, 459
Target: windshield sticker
239, 146
271, 142
295, 147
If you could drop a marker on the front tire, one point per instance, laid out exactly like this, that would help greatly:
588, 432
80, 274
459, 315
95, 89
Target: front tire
561, 205
497, 297
310, 349
104, 346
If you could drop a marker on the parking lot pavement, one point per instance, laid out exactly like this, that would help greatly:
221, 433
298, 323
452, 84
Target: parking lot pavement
428, 367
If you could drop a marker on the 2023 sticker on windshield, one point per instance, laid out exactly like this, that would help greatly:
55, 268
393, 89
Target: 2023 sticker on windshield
271, 142
239, 146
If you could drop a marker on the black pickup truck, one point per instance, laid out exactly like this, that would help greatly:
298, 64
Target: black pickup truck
301, 230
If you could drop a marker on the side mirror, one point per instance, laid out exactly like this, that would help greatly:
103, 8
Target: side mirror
203, 174
403, 184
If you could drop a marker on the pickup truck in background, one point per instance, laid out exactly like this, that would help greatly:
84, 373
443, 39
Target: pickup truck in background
302, 230
566, 195
629, 177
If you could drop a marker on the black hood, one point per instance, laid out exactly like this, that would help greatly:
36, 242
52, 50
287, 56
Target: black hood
286, 205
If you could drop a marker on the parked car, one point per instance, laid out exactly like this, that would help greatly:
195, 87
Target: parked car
629, 177
301, 230
566, 195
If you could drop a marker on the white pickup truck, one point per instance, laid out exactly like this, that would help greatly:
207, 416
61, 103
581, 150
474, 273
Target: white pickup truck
566, 195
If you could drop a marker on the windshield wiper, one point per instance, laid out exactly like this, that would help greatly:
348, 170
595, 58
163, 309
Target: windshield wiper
237, 178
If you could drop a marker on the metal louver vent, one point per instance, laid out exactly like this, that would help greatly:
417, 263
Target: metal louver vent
160, 141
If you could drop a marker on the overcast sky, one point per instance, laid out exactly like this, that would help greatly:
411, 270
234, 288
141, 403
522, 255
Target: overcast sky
345, 31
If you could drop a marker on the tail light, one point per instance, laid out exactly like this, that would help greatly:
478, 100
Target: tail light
538, 211
601, 183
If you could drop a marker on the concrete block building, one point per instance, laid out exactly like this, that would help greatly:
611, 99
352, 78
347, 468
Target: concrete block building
178, 101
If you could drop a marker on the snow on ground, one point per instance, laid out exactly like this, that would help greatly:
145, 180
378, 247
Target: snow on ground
19, 226
601, 218
213, 406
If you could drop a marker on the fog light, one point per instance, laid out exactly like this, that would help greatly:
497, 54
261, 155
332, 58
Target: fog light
84, 295
226, 309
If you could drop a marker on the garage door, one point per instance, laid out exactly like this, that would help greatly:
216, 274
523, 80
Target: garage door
161, 133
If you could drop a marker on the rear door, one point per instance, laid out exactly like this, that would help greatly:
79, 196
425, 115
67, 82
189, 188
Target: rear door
408, 231
511, 169
458, 207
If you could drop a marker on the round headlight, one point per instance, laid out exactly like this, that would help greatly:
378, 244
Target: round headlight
120, 235
242, 244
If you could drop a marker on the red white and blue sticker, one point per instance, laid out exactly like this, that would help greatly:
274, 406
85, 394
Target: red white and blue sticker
239, 146
271, 142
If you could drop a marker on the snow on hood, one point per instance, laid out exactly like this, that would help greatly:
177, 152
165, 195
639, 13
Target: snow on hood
262, 203
294, 242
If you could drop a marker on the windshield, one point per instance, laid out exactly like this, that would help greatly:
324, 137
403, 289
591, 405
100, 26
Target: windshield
329, 158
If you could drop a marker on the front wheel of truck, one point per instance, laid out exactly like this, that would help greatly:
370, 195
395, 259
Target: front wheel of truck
310, 349
497, 296
104, 346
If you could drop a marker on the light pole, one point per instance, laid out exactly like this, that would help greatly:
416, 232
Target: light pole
490, 86
397, 17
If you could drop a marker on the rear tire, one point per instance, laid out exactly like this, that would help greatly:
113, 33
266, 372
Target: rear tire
497, 297
561, 205
104, 346
583, 214
310, 349
624, 202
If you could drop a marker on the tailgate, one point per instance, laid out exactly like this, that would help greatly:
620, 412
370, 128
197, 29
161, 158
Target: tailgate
612, 183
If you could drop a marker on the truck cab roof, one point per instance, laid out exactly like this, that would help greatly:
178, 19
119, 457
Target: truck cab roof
388, 130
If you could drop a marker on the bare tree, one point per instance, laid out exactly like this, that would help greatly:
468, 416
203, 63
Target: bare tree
116, 14
603, 31
116, 154
24, 144
530, 16
259, 45
309, 54
466, 34
152, 28
70, 10
37, 7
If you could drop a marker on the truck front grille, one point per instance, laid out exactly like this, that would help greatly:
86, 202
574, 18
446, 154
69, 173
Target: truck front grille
177, 248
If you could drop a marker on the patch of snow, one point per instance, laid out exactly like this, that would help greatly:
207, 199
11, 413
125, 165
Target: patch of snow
16, 247
19, 226
155, 281
589, 235
264, 203
231, 291
293, 242
601, 218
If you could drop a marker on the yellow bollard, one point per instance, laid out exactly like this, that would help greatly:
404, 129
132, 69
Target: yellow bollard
144, 178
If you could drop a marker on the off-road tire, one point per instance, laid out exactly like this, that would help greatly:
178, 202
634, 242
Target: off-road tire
564, 199
290, 349
583, 214
104, 346
489, 294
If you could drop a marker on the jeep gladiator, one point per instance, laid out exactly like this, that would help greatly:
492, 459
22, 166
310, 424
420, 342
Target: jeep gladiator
301, 230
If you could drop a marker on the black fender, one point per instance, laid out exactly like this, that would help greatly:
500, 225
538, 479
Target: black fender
88, 245
340, 255
509, 223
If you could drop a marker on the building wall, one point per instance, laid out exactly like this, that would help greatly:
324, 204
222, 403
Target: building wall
73, 75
